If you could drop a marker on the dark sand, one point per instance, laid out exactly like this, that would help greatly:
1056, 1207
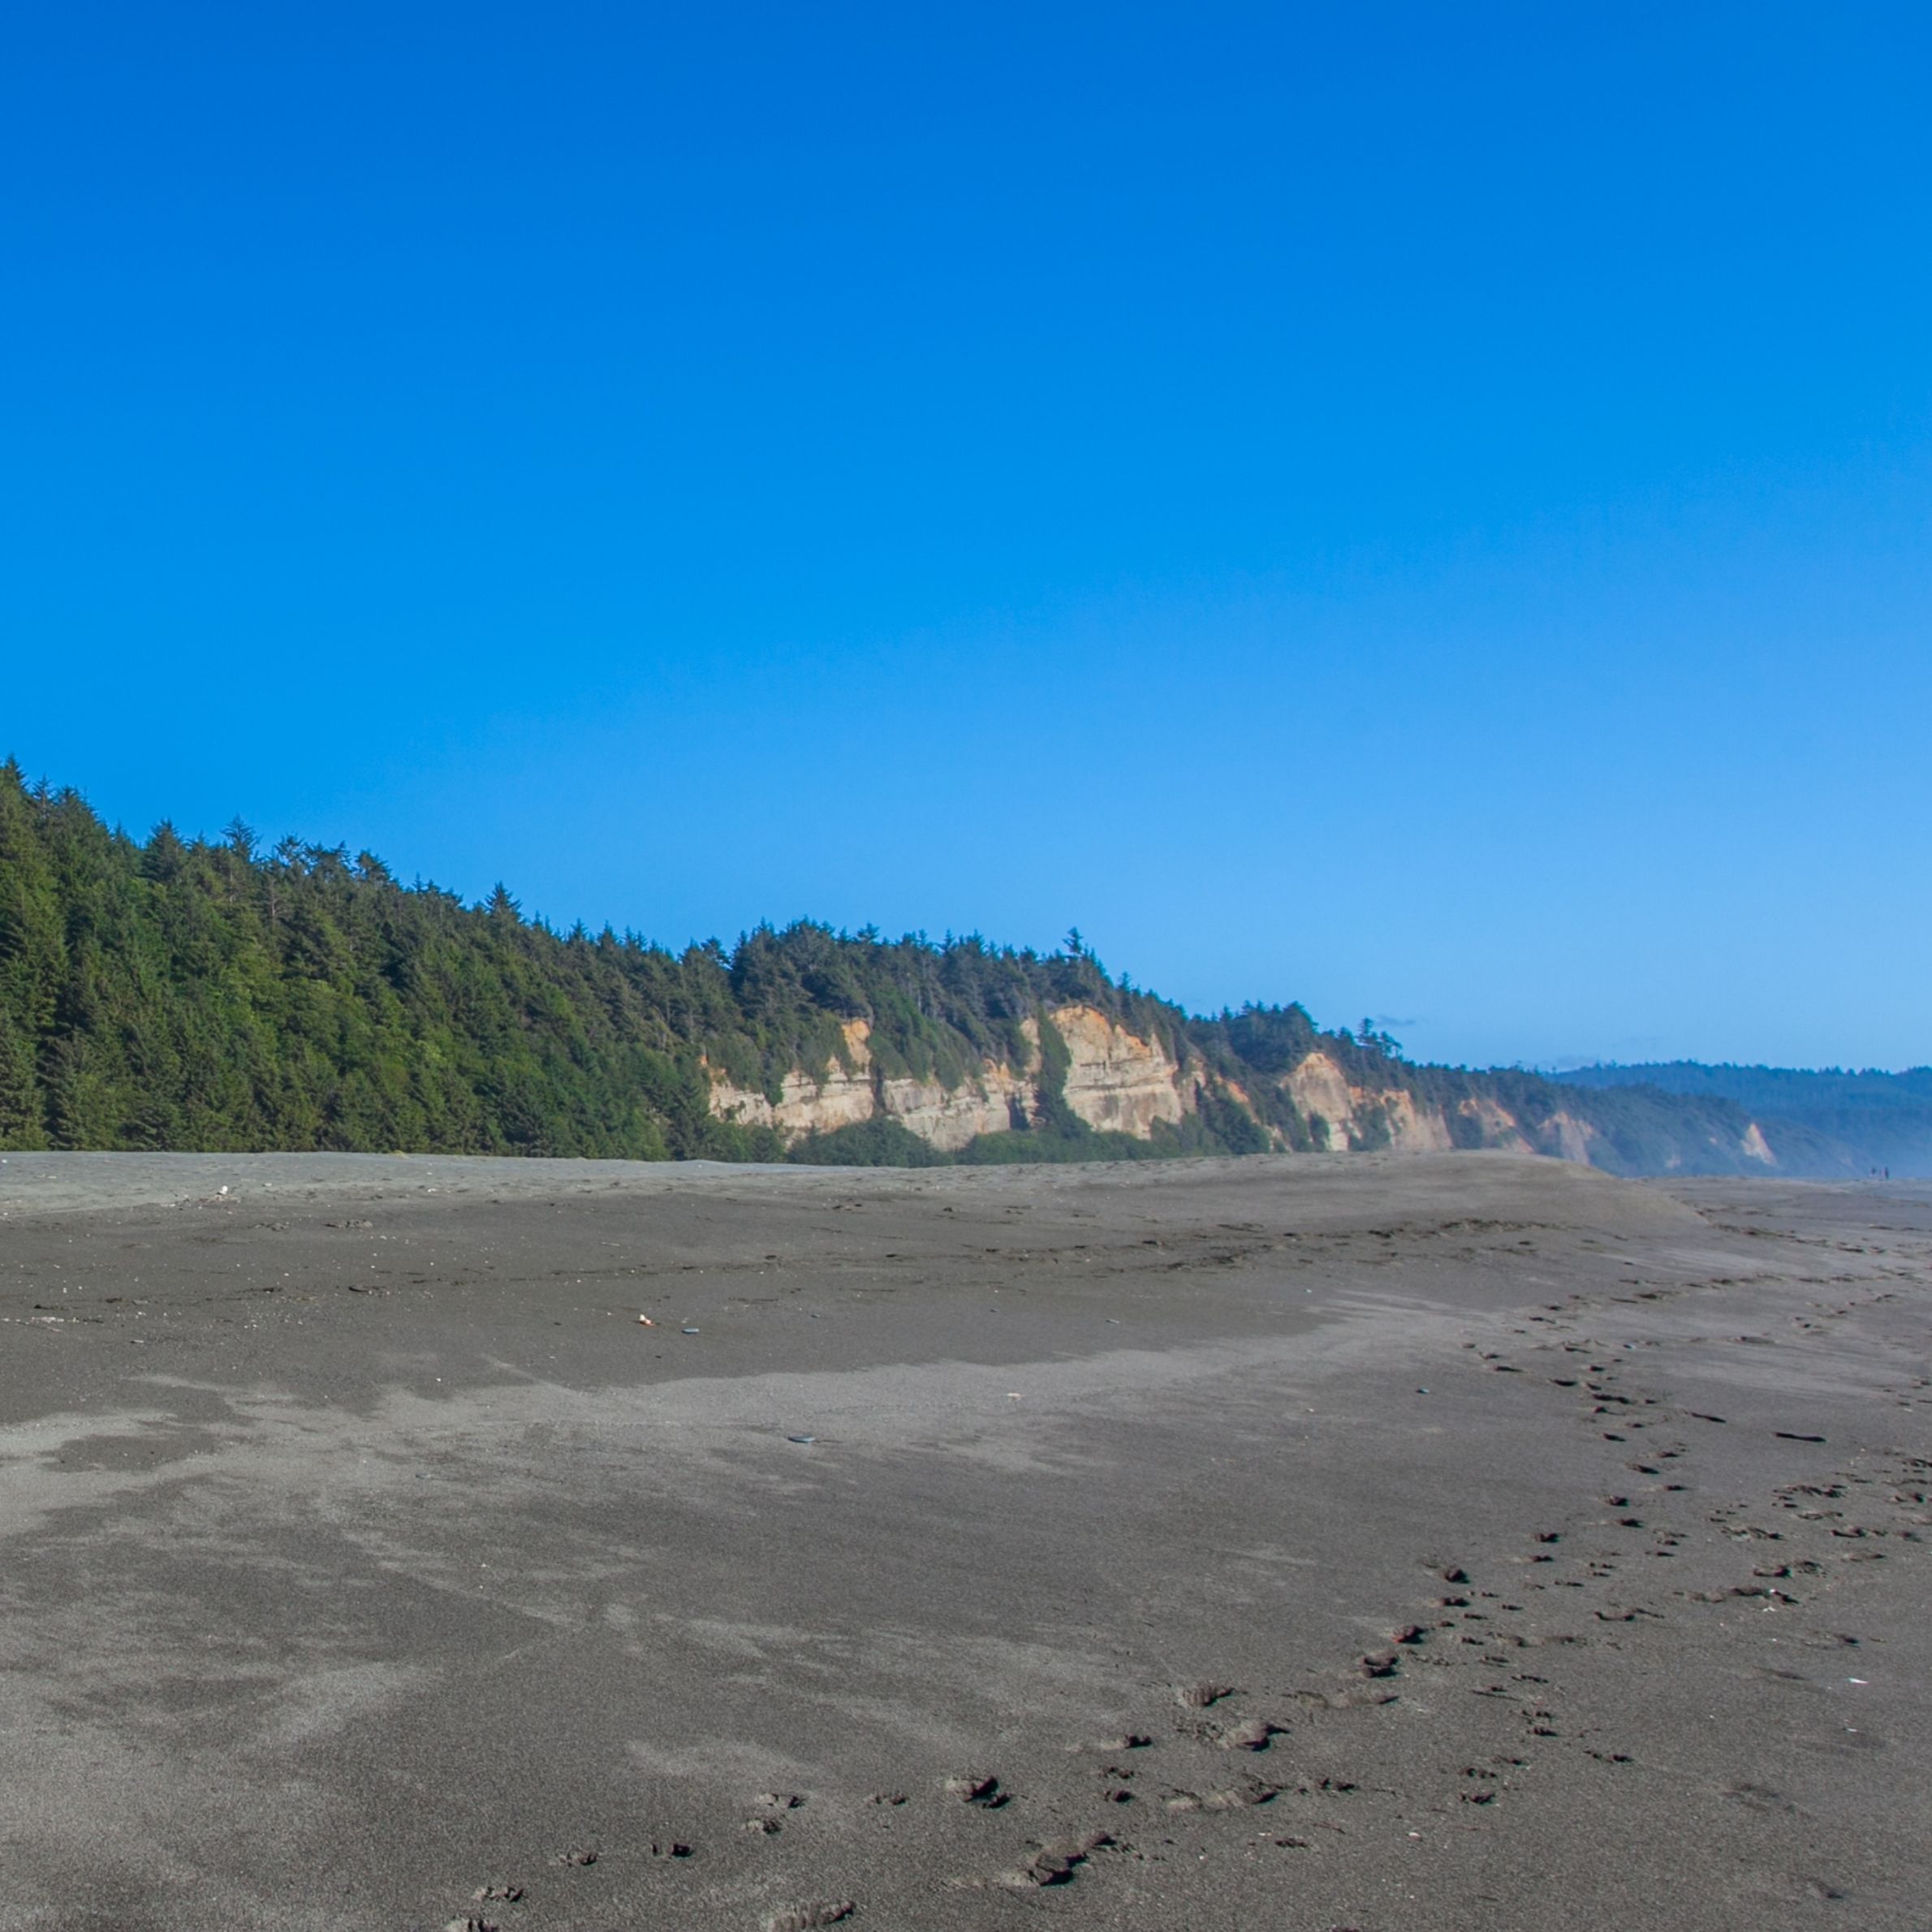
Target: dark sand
360, 1548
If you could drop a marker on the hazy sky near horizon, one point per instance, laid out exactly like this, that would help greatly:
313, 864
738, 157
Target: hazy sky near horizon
1421, 509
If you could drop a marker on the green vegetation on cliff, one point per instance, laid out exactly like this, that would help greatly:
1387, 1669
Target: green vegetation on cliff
191, 993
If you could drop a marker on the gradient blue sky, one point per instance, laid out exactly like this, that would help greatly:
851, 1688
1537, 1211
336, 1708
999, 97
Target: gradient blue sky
1422, 510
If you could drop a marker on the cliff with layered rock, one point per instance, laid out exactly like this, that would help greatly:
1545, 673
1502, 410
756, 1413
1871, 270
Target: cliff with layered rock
851, 1090
1091, 1076
191, 993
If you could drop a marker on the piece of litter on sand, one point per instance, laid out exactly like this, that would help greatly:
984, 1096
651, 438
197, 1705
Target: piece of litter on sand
1421, 1391
801, 1439
645, 1322
691, 1331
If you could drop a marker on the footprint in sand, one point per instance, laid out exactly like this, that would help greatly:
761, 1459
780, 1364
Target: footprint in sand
1199, 1696
1232, 1797
1054, 1863
1356, 1696
972, 1788
1250, 1734
811, 1914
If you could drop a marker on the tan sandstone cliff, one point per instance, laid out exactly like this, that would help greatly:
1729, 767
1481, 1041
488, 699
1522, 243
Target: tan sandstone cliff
849, 1094
1118, 1082
1115, 1081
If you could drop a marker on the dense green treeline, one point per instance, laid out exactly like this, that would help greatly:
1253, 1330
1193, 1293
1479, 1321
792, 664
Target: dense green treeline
197, 994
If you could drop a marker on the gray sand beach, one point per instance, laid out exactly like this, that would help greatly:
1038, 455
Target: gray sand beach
1444, 1542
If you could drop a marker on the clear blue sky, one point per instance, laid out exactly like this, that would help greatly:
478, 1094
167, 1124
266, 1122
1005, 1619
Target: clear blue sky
1423, 509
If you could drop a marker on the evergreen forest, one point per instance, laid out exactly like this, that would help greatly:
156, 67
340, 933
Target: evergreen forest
190, 993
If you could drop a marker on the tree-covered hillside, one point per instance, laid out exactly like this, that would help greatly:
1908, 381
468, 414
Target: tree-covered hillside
189, 993
1879, 1120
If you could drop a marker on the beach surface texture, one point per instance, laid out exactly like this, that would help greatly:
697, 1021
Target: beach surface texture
1422, 1544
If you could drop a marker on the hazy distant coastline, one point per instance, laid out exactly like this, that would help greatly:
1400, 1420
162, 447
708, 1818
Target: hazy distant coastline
1872, 1119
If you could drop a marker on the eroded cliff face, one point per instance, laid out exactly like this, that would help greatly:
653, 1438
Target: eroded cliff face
1492, 1125
1341, 1117
849, 1095
1414, 1129
1325, 1100
1115, 1081
1567, 1138
807, 1105
950, 1118
1118, 1082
